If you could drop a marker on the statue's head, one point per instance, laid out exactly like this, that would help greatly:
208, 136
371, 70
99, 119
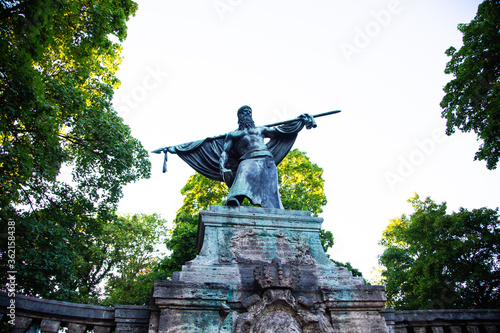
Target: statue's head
245, 117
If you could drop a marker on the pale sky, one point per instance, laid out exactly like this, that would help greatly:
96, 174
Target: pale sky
189, 65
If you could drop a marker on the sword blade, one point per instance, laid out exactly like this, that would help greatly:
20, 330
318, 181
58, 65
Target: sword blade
314, 116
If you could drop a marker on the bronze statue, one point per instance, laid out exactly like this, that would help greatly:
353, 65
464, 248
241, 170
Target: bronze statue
243, 160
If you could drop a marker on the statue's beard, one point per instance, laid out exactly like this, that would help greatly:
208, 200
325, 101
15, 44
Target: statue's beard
245, 122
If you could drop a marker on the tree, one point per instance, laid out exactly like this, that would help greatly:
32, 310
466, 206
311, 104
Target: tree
301, 188
472, 99
348, 265
136, 238
438, 260
199, 193
301, 183
58, 60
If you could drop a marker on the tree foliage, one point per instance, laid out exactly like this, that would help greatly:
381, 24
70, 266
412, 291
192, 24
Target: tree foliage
58, 60
348, 265
199, 193
68, 261
131, 280
472, 100
437, 260
301, 188
301, 183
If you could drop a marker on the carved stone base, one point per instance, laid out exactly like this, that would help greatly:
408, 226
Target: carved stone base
264, 270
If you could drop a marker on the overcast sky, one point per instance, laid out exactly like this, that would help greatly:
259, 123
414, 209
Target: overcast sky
189, 65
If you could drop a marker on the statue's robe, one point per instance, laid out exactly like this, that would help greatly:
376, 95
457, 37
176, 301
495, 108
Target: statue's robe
256, 179
256, 176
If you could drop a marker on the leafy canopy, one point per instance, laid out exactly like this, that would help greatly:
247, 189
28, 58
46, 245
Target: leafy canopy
58, 60
137, 238
437, 260
472, 99
57, 74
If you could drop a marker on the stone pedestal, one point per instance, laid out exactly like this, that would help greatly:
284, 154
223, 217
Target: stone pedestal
264, 270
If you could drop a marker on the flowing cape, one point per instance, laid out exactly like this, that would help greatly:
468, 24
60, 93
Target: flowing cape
204, 155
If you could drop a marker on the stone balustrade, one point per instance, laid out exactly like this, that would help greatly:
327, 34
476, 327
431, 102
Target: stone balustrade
443, 321
51, 316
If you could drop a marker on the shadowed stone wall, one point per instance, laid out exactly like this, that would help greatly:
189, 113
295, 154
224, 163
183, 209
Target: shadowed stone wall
50, 316
443, 321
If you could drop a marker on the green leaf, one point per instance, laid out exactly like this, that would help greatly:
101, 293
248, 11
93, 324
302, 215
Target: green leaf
437, 260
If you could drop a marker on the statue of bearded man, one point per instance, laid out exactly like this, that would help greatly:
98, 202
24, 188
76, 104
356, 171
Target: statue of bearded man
242, 159
256, 176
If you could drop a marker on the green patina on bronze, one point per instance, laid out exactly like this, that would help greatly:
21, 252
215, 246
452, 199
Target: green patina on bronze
243, 160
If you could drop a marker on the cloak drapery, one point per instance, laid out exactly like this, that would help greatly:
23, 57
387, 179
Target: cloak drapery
204, 155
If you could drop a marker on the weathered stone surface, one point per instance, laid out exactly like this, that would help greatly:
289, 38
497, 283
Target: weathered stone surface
469, 315
131, 319
260, 269
419, 329
441, 321
472, 329
46, 308
21, 324
490, 329
50, 326
154, 321
77, 328
131, 313
54, 315
278, 310
235, 240
102, 329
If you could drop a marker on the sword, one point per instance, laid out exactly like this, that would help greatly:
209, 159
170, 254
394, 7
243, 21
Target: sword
314, 116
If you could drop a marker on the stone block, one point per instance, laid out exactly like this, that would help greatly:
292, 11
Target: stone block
131, 319
186, 320
154, 319
472, 329
50, 326
490, 329
102, 329
417, 329
21, 324
131, 328
131, 313
77, 328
